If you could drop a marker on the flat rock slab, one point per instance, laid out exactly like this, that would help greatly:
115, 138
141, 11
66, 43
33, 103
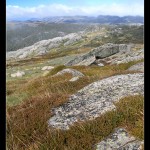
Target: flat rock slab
137, 67
96, 98
120, 140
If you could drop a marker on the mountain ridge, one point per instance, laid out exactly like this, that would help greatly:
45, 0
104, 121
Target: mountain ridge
87, 19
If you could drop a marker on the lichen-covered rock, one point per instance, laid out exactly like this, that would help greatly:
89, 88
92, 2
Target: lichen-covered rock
137, 67
120, 140
125, 47
87, 61
96, 98
127, 57
99, 52
74, 72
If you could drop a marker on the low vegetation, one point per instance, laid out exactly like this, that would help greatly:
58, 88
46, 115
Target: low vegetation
27, 126
31, 98
29, 108
21, 89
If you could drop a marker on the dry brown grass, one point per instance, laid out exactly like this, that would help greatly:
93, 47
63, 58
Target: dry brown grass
27, 125
27, 121
21, 89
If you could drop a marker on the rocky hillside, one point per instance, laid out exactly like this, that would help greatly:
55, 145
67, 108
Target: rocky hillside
23, 34
84, 90
92, 37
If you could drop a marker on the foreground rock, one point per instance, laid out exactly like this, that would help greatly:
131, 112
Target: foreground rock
99, 53
96, 98
120, 140
137, 67
18, 74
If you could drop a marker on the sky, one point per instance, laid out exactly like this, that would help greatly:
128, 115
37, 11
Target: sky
26, 9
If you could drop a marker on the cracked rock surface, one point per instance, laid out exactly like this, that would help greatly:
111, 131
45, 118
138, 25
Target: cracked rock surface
95, 99
120, 140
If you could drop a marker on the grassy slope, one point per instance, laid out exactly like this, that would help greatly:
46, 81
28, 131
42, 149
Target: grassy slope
30, 99
20, 89
27, 125
27, 121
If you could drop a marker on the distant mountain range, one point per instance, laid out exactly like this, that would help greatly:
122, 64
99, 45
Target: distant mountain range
102, 19
25, 33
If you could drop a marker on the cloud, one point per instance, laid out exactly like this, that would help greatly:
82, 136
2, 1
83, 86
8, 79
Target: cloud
14, 12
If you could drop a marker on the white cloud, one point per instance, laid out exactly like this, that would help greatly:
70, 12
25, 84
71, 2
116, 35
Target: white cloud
13, 12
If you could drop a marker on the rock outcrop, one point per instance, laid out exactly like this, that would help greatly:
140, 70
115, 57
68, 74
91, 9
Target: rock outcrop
44, 46
99, 53
127, 57
122, 57
96, 98
120, 140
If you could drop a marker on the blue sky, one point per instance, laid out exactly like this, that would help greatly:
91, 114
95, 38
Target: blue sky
44, 8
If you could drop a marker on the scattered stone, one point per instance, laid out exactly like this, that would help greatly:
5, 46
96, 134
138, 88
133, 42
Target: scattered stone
96, 99
47, 68
74, 72
74, 79
100, 64
18, 74
120, 140
137, 67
